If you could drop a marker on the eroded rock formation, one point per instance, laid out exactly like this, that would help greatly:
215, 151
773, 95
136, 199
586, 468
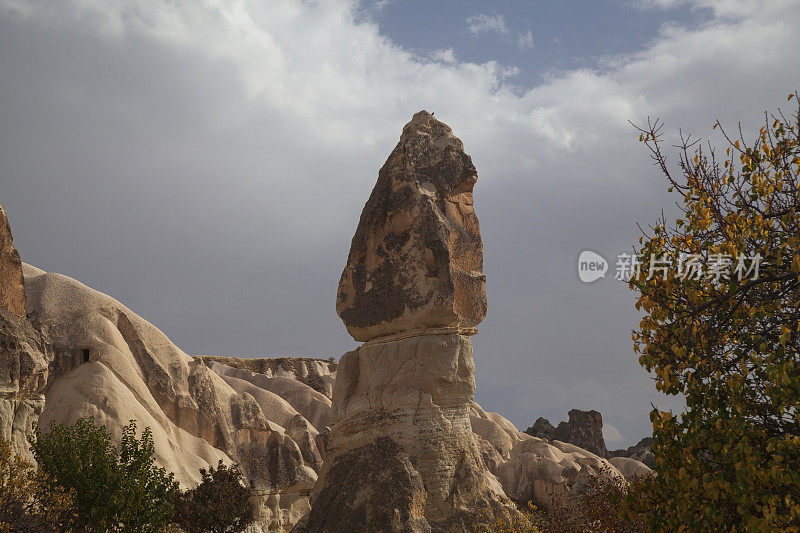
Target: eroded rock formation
584, 429
531, 468
12, 287
401, 455
630, 468
316, 373
639, 452
391, 440
23, 363
108, 363
23, 376
201, 410
416, 259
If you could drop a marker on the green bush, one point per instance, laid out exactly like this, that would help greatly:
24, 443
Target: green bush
219, 504
115, 490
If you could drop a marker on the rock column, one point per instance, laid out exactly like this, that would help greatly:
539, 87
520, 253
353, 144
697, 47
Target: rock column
401, 455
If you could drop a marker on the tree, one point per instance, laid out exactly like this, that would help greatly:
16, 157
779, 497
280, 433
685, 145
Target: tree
29, 500
721, 329
595, 508
115, 490
219, 504
147, 491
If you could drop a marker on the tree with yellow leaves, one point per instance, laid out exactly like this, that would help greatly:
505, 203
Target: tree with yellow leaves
29, 500
722, 328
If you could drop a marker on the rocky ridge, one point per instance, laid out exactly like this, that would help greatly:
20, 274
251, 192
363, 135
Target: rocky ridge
639, 452
584, 429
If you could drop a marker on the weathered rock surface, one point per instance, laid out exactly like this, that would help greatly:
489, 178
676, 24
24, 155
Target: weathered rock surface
316, 373
12, 287
400, 454
406, 402
23, 362
542, 429
630, 468
416, 259
367, 499
404, 406
531, 468
108, 363
639, 451
519, 465
135, 372
313, 405
539, 470
584, 429
23, 376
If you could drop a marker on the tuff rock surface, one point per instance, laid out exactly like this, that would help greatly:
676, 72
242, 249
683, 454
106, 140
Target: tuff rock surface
408, 450
630, 468
197, 414
23, 376
531, 468
316, 373
542, 429
639, 451
400, 454
416, 259
405, 403
584, 429
23, 362
12, 287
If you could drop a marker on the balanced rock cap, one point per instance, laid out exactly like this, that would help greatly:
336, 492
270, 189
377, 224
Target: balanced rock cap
12, 286
416, 259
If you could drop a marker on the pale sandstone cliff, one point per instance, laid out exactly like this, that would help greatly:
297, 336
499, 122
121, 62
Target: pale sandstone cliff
23, 361
110, 364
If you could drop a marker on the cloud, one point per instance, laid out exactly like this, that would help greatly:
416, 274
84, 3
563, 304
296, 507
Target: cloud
206, 163
721, 9
525, 41
611, 434
444, 55
482, 23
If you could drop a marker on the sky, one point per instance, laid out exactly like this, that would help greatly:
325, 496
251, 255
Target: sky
206, 162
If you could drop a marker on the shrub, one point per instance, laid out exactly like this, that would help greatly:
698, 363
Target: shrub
598, 508
219, 504
29, 500
115, 490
